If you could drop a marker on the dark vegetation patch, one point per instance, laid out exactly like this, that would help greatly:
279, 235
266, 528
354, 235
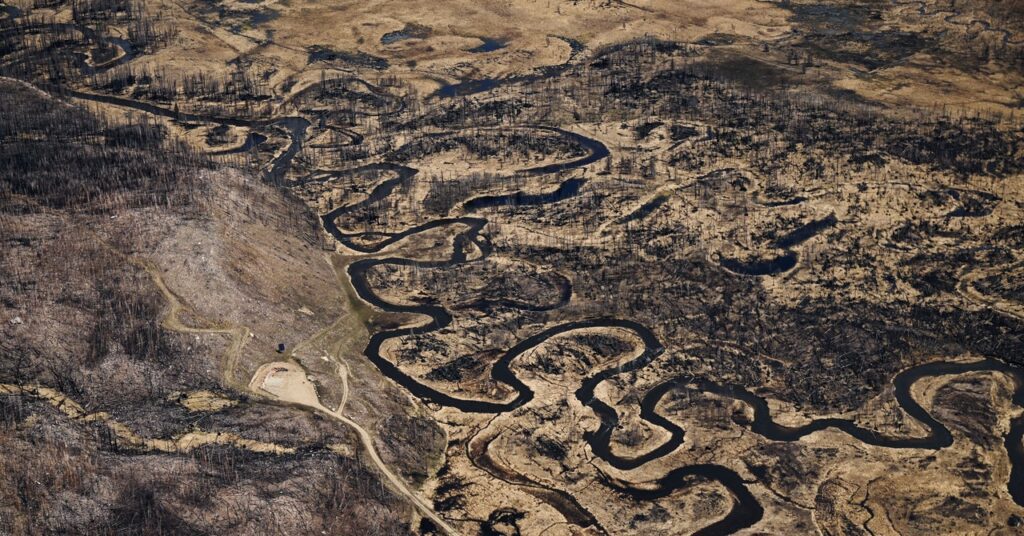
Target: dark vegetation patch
347, 93
833, 18
744, 71
606, 346
551, 448
236, 18
443, 193
409, 444
973, 203
645, 129
218, 136
326, 54
682, 132
411, 30
510, 145
871, 50
453, 370
56, 488
63, 156
502, 522
1008, 285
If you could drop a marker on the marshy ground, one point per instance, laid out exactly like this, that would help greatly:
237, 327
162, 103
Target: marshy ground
511, 268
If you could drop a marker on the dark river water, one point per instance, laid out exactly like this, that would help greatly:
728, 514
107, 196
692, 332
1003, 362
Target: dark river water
746, 510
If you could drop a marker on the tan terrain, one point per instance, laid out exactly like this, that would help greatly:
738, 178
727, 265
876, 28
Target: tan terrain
512, 267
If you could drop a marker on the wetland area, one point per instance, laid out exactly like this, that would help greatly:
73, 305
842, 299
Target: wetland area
513, 268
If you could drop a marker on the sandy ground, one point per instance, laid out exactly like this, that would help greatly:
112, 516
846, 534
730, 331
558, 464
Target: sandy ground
288, 383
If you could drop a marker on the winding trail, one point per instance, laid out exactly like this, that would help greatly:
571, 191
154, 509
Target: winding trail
287, 382
239, 334
746, 510
367, 440
171, 321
